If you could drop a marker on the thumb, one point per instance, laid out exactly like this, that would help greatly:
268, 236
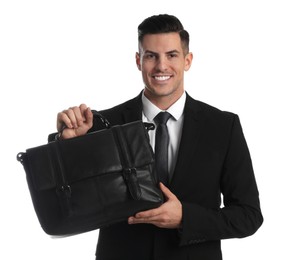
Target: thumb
89, 117
168, 194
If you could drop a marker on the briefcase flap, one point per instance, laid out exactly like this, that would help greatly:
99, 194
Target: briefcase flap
88, 156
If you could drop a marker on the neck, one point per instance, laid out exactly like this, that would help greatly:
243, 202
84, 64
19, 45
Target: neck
163, 102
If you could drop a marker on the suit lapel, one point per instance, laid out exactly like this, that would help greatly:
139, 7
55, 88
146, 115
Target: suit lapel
133, 109
192, 127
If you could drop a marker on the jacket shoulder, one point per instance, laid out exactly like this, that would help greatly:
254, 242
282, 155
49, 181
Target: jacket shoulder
214, 111
208, 111
217, 120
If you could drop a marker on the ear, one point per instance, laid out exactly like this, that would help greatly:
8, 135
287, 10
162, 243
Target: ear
138, 60
188, 61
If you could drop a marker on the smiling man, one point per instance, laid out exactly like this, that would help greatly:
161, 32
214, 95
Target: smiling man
162, 59
205, 156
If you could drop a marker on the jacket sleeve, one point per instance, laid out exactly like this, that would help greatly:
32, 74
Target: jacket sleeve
241, 215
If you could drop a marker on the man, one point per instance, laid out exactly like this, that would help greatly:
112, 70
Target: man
207, 157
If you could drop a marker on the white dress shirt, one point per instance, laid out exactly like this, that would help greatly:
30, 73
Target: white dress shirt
174, 125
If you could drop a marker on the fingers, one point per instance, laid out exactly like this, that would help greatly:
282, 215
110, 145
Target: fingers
63, 121
72, 117
147, 217
76, 116
149, 214
162, 218
79, 118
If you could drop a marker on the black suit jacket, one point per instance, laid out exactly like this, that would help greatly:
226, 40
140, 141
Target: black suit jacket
213, 159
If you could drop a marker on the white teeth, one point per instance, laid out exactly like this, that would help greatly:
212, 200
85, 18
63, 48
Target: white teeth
161, 78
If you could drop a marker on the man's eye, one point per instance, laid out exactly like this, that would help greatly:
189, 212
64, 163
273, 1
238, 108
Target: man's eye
149, 56
172, 55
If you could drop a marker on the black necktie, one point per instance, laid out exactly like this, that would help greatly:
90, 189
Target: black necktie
161, 146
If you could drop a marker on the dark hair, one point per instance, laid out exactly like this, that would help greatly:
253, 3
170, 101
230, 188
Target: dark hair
163, 23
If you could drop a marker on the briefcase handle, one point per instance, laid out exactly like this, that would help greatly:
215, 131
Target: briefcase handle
107, 124
104, 120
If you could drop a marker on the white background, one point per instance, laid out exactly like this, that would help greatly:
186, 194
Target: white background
55, 54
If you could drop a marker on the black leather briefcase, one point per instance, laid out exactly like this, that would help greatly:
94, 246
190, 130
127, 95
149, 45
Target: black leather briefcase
84, 183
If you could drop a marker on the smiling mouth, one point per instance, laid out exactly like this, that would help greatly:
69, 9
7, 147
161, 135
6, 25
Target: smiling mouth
161, 78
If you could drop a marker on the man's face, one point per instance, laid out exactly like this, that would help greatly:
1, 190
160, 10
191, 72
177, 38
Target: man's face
162, 63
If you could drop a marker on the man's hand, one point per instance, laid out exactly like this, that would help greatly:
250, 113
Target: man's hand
168, 215
74, 121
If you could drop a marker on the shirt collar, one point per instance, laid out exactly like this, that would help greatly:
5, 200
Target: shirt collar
150, 110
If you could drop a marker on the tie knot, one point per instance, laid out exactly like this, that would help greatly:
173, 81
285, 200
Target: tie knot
162, 118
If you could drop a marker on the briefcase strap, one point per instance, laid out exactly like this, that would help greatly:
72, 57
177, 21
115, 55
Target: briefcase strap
63, 189
129, 171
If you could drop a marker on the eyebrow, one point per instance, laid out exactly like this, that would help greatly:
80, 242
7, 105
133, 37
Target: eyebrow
155, 53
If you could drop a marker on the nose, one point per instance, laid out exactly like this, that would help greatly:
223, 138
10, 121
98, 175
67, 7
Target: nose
161, 64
